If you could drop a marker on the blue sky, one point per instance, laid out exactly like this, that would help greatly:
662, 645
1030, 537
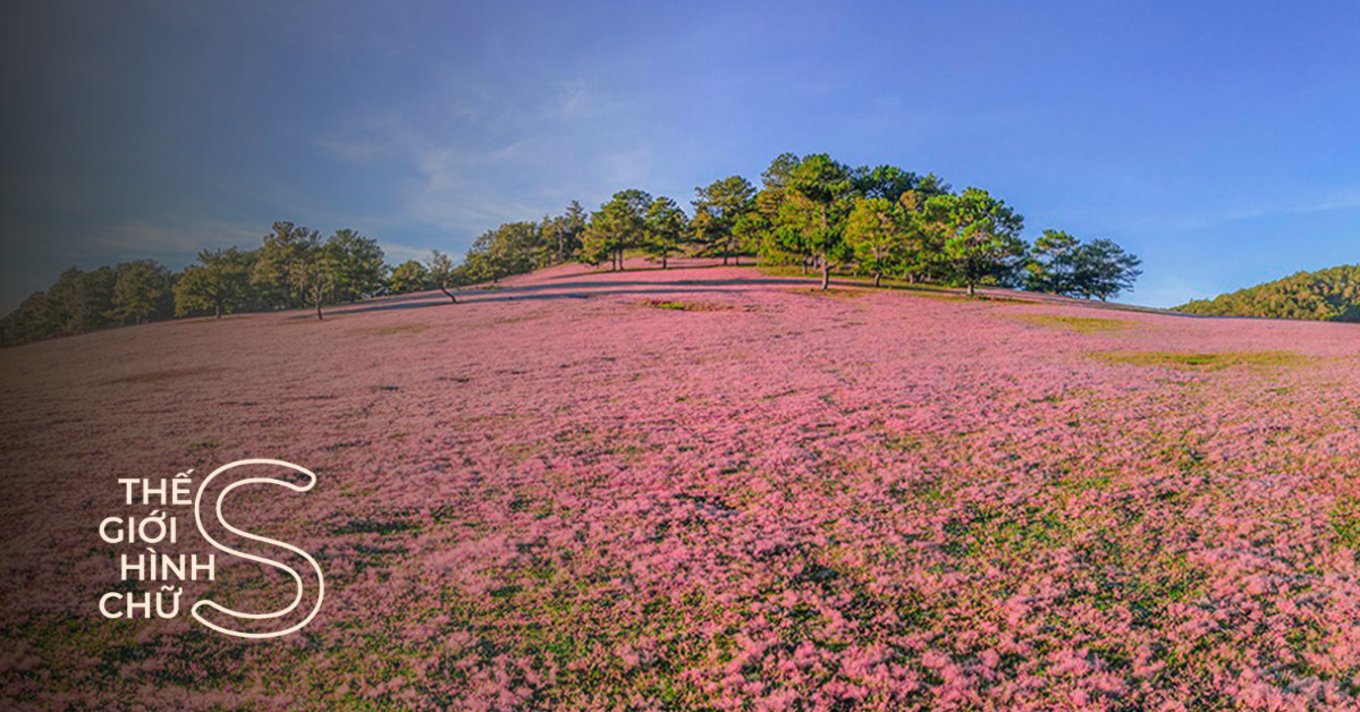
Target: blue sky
1221, 144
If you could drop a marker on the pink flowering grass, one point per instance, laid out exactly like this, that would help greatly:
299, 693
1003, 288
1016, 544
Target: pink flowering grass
560, 493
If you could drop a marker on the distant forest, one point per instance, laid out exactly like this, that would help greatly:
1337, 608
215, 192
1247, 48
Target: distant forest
811, 212
1326, 295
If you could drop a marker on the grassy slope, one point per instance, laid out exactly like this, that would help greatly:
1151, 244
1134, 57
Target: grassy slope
705, 486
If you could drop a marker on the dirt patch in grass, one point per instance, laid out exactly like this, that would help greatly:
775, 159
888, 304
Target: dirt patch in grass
685, 306
1079, 324
397, 329
1204, 361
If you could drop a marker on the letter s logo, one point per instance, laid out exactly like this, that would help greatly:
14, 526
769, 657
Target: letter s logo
297, 577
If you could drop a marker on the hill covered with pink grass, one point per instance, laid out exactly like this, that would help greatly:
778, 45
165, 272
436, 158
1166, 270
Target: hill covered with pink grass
713, 488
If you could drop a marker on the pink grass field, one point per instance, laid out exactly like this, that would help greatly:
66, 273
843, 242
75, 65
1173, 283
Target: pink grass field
709, 488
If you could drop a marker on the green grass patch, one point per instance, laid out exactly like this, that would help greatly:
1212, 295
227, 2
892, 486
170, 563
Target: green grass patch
685, 306
836, 292
1079, 324
1080, 484
1036, 531
1346, 523
1203, 361
925, 491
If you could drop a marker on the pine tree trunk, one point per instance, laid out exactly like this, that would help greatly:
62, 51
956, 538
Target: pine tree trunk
878, 279
826, 273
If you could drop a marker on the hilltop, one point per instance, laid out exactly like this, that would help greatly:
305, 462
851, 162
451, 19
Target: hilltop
1325, 295
708, 488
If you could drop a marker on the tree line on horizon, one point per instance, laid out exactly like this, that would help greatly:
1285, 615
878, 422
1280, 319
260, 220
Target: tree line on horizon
1331, 294
810, 212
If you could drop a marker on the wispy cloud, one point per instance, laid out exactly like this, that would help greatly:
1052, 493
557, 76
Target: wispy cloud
1340, 199
485, 159
396, 253
577, 100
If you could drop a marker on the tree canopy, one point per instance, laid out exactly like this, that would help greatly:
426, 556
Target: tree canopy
617, 226
1325, 295
666, 226
718, 207
219, 284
